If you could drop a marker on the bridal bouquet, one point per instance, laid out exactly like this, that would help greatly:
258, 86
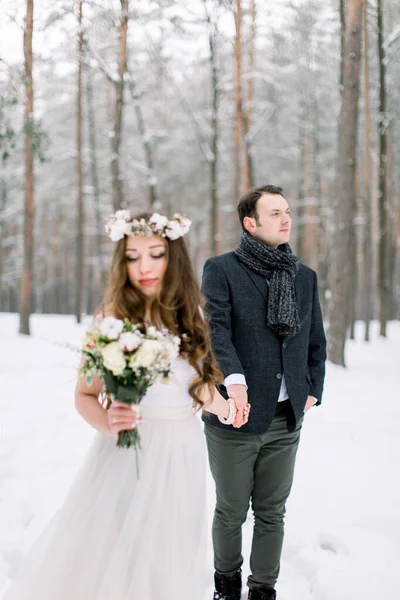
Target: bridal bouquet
129, 361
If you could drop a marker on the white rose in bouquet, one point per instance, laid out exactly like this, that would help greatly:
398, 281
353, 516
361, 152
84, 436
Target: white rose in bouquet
110, 327
129, 341
113, 358
147, 354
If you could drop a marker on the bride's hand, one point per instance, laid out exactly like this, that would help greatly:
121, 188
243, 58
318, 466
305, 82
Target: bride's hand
121, 416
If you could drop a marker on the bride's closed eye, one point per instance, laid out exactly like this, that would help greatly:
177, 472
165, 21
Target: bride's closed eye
135, 258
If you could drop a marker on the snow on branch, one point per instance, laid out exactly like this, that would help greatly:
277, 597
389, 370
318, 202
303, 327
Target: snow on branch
111, 75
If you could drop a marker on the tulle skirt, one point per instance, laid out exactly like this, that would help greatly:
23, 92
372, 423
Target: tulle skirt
124, 534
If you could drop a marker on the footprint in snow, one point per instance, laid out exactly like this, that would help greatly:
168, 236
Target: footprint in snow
332, 544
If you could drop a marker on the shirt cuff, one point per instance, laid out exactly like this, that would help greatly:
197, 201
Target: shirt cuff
235, 379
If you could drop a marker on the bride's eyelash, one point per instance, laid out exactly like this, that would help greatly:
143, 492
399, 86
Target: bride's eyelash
134, 259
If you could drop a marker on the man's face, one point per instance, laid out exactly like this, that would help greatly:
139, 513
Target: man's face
274, 223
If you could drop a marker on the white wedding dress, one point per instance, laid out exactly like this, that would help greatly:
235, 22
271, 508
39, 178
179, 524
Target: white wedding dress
118, 537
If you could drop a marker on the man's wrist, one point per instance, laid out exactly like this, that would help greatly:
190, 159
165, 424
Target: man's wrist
235, 379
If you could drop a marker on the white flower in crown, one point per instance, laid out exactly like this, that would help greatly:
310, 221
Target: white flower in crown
118, 225
158, 222
125, 215
178, 227
121, 224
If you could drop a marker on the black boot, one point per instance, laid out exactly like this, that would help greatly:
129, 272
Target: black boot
228, 588
262, 594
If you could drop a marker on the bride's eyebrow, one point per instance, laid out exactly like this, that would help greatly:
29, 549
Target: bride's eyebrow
150, 247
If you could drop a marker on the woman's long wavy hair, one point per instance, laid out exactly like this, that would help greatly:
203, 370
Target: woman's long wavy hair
178, 307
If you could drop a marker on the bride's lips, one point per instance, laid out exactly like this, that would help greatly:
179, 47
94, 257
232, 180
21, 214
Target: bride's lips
147, 282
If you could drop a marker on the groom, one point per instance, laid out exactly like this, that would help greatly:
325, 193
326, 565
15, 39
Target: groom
268, 337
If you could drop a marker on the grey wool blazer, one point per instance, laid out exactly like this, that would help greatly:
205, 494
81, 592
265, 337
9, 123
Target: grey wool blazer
236, 308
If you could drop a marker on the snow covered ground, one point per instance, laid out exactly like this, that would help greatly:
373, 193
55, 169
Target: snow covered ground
343, 519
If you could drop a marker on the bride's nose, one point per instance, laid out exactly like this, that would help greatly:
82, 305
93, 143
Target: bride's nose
145, 266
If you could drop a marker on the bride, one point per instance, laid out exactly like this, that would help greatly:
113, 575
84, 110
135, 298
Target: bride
124, 534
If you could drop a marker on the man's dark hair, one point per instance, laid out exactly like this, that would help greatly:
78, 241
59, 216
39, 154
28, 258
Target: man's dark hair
247, 206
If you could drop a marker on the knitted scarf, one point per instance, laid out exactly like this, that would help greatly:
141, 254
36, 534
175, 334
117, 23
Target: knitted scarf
280, 267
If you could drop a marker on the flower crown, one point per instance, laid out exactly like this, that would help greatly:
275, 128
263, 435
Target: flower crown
121, 223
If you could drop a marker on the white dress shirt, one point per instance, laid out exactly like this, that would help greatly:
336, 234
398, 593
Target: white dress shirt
238, 378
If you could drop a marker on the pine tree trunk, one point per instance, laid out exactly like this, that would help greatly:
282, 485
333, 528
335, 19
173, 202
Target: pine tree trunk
117, 187
320, 229
345, 210
309, 245
397, 258
356, 268
383, 220
248, 168
101, 270
342, 12
79, 264
391, 221
216, 237
368, 291
238, 102
26, 292
3, 202
154, 203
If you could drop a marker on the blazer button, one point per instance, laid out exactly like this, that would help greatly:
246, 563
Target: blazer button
279, 375
284, 345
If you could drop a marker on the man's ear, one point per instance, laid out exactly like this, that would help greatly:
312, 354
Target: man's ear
249, 224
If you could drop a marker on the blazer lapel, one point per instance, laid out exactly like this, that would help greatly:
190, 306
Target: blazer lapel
258, 280
297, 291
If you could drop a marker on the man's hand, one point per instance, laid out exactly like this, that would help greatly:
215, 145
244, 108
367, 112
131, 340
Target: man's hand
311, 401
238, 393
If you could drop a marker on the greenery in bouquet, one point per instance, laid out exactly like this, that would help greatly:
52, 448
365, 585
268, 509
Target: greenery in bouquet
129, 358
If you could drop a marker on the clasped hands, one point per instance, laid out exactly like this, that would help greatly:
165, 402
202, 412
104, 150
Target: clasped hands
238, 393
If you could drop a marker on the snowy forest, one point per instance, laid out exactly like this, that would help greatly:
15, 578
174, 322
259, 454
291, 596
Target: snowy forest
182, 106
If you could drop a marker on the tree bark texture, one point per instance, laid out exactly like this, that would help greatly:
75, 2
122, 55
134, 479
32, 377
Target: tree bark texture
341, 265
117, 187
147, 145
26, 292
368, 290
215, 233
79, 257
238, 103
342, 11
383, 208
248, 167
101, 269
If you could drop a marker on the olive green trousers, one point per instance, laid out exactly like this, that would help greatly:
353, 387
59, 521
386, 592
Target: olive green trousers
256, 469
